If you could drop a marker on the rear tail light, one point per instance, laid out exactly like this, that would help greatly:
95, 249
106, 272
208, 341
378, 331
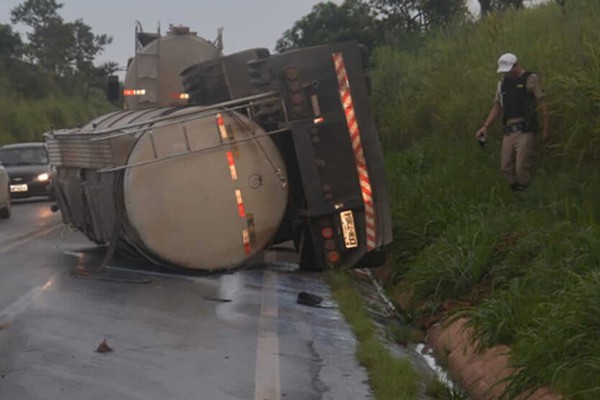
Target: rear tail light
327, 233
334, 257
180, 96
134, 92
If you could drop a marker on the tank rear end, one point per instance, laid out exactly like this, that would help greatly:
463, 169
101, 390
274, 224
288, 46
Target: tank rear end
152, 78
203, 194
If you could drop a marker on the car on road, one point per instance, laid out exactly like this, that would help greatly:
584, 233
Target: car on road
4, 193
28, 168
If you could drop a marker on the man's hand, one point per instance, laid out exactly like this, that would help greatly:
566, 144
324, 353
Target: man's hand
482, 132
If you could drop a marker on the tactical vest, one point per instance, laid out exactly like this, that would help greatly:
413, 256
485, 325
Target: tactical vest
518, 102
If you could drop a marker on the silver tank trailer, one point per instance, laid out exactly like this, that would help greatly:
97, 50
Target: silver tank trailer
195, 192
152, 78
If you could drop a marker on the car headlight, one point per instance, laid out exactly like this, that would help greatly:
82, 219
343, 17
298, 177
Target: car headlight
43, 177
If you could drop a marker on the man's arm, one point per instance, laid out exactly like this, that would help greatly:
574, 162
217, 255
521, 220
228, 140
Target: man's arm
492, 115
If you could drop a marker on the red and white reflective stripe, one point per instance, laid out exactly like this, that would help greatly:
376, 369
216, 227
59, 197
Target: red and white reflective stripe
359, 155
238, 193
231, 162
246, 239
240, 203
221, 125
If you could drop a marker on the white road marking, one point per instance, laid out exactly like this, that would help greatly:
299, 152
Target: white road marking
25, 301
267, 348
29, 238
157, 274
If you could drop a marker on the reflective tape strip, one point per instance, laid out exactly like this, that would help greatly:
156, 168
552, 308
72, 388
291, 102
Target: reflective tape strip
247, 236
246, 239
357, 148
240, 203
231, 162
221, 125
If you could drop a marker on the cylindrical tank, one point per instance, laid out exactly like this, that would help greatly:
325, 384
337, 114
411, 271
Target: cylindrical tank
196, 194
152, 78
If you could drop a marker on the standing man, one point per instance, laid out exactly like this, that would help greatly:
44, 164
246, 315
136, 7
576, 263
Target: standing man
519, 96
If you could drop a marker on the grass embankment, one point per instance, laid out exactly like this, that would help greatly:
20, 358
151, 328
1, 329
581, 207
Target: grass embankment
391, 378
25, 120
527, 266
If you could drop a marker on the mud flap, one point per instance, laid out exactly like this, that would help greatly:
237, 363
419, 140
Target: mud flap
308, 258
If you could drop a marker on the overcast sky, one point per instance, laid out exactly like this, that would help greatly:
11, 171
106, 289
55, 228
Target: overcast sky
247, 23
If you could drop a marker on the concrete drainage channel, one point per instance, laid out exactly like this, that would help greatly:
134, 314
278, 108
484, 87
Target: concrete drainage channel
414, 349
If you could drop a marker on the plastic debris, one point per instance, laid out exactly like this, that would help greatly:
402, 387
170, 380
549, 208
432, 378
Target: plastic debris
309, 299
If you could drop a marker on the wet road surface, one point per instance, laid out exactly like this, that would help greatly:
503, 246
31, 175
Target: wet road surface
173, 336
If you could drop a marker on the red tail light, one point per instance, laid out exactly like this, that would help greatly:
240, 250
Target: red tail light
327, 233
334, 257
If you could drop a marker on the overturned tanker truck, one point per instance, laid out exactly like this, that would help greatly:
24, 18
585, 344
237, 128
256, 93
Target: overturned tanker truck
216, 158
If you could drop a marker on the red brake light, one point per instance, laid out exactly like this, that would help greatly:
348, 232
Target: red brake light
327, 233
334, 257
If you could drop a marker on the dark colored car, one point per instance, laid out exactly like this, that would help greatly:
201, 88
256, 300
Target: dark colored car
29, 169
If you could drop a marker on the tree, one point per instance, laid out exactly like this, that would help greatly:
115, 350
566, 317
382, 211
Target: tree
441, 12
398, 15
11, 46
329, 23
47, 33
86, 45
55, 45
489, 6
405, 16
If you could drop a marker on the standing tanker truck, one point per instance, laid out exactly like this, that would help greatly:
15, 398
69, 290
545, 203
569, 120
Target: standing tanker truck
216, 158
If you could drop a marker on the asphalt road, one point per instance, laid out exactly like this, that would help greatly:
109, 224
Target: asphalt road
172, 336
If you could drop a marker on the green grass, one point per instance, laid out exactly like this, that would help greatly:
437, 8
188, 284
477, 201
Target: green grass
24, 120
437, 390
524, 266
391, 378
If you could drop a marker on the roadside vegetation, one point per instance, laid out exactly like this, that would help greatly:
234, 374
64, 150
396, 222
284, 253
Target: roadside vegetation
525, 268
391, 378
48, 79
25, 120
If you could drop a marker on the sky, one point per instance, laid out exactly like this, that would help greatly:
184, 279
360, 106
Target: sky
247, 23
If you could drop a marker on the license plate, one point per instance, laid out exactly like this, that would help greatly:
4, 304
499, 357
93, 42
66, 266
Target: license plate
18, 188
348, 229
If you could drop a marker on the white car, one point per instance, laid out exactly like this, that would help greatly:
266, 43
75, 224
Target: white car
4, 193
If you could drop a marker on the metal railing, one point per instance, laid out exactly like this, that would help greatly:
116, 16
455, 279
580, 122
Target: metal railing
91, 149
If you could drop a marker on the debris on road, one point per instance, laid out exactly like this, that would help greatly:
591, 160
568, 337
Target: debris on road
217, 299
103, 347
309, 299
3, 325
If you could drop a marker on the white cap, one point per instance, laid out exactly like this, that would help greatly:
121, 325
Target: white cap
506, 62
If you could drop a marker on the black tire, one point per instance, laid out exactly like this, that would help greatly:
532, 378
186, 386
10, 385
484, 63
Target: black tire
5, 212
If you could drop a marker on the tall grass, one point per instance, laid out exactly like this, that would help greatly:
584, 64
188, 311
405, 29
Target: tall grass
26, 120
525, 265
